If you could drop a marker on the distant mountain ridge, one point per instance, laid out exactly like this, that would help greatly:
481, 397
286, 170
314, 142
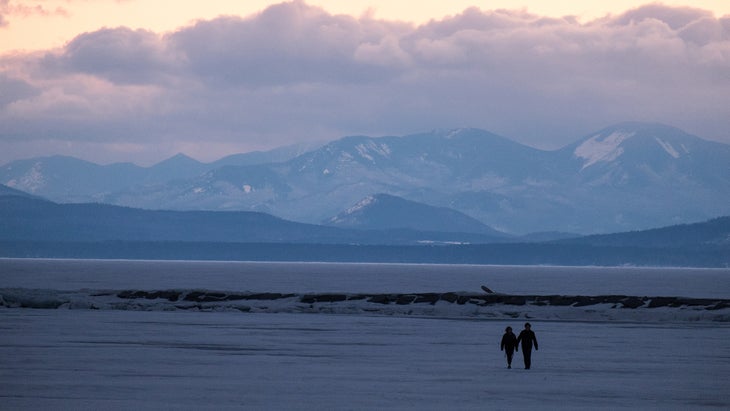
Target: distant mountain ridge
7, 191
715, 232
630, 176
384, 211
32, 227
69, 179
638, 153
27, 218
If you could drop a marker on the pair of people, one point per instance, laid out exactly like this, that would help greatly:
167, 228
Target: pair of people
510, 343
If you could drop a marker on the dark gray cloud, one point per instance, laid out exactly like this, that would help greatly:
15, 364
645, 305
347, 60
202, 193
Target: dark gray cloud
13, 89
295, 72
288, 43
120, 55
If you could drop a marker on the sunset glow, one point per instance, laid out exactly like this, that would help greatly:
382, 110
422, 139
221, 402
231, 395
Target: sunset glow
114, 80
41, 24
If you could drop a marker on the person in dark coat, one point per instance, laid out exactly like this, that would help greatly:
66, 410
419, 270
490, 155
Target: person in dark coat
527, 338
508, 345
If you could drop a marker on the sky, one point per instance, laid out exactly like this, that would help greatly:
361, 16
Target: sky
142, 80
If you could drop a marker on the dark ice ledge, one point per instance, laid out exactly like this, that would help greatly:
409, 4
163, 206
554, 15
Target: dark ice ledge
461, 298
390, 303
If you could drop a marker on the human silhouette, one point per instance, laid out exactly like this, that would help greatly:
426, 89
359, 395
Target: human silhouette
527, 337
508, 345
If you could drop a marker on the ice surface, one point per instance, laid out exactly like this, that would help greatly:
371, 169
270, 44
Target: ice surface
61, 359
114, 359
360, 278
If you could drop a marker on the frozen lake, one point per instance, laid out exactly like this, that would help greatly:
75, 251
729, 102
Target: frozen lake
68, 359
361, 278
114, 359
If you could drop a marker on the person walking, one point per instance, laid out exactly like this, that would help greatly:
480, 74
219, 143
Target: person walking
527, 338
508, 345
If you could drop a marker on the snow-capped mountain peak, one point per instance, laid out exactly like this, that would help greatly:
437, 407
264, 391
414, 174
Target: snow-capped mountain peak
653, 140
670, 149
385, 211
624, 177
602, 147
454, 133
369, 149
360, 205
31, 181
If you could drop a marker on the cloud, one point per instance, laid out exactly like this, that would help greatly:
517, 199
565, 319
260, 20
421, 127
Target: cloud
120, 55
286, 44
14, 89
4, 9
295, 72
26, 9
674, 17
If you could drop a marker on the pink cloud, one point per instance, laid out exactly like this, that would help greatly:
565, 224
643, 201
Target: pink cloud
297, 72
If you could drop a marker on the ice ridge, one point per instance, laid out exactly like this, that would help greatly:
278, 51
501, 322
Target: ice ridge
435, 304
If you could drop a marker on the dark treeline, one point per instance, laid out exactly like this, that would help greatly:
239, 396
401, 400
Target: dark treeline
715, 231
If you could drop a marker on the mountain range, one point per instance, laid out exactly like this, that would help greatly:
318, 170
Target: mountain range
384, 211
28, 218
34, 227
630, 176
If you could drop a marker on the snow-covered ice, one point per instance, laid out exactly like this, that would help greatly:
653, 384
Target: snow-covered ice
117, 359
63, 359
361, 278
